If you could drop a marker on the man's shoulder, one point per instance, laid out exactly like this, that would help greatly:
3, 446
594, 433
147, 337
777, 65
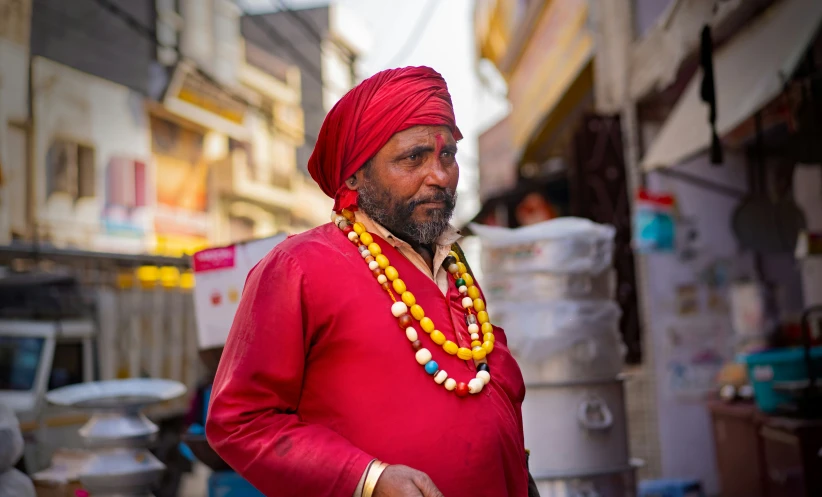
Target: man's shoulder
321, 242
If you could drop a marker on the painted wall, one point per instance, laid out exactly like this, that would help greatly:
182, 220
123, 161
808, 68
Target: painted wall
110, 120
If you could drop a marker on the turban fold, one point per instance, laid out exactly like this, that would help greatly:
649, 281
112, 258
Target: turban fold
363, 121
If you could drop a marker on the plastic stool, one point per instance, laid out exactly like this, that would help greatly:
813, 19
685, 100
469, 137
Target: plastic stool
671, 488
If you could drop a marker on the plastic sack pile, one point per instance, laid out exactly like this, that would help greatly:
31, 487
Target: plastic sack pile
13, 483
551, 286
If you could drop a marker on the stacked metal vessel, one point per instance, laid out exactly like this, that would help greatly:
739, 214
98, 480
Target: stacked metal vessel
118, 435
551, 287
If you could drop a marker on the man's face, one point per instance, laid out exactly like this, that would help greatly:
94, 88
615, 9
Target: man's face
410, 185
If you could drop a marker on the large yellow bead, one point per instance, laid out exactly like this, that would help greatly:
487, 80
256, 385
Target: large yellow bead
488, 346
462, 269
475, 343
482, 317
450, 347
427, 325
437, 337
391, 273
359, 228
408, 298
473, 291
487, 328
469, 280
479, 353
464, 354
489, 337
366, 238
399, 285
454, 255
348, 214
382, 261
479, 304
373, 248
417, 312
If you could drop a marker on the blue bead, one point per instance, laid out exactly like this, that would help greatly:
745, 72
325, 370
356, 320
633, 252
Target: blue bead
431, 367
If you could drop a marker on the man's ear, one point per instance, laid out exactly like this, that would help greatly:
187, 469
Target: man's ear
354, 182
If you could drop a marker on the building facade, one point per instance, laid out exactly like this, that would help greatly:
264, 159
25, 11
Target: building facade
325, 43
128, 143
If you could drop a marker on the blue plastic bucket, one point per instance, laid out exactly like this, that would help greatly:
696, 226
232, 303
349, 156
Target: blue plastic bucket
774, 366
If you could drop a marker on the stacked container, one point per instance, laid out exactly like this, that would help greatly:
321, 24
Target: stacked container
550, 286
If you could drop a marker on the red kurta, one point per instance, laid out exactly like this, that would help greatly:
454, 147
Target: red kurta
317, 379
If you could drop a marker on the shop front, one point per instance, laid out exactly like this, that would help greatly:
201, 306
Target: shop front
728, 283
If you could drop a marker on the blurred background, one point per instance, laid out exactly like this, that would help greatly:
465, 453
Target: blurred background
136, 133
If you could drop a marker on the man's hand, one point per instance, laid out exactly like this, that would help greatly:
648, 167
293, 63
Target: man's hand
402, 481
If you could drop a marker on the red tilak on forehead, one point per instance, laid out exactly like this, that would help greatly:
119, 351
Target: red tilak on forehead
440, 143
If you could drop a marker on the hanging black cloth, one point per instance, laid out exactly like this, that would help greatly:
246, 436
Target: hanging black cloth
708, 91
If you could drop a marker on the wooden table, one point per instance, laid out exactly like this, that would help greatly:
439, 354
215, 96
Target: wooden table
766, 456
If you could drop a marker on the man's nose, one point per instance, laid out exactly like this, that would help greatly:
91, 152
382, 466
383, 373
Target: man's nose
437, 174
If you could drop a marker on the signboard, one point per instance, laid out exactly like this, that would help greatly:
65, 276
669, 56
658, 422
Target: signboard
195, 97
220, 274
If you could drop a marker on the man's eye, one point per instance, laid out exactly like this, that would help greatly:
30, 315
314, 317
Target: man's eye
413, 157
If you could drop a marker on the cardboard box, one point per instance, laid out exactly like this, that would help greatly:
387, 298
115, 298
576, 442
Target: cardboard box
219, 278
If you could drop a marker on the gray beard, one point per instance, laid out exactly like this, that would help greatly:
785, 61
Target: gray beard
377, 204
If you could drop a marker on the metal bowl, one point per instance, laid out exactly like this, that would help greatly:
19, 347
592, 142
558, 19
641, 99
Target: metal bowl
109, 429
130, 394
121, 472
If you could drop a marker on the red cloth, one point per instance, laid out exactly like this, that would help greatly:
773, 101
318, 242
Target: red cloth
363, 121
317, 379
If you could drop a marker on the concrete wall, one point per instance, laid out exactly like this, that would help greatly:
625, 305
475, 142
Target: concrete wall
13, 153
83, 35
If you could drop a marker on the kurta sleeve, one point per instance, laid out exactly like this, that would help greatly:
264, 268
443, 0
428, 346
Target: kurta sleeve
253, 423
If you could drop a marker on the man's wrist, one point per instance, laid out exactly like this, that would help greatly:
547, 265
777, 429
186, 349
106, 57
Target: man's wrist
372, 476
358, 490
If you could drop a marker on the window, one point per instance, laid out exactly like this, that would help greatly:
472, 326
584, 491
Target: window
19, 360
67, 367
70, 169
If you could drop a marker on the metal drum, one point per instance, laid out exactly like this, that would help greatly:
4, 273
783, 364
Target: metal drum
573, 428
619, 482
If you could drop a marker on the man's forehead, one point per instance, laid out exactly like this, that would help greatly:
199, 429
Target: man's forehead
423, 134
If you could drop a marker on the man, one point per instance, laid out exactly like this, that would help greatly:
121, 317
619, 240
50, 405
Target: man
361, 360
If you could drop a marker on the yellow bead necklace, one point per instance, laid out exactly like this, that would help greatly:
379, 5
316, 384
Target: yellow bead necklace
480, 328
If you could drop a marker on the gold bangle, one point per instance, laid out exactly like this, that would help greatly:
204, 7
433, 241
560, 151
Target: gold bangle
374, 473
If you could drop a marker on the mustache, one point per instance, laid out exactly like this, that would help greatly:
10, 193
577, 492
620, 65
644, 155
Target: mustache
445, 196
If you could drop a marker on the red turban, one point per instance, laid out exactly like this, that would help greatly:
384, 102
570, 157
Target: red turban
363, 121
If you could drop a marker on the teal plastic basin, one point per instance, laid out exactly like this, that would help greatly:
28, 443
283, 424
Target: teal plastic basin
774, 366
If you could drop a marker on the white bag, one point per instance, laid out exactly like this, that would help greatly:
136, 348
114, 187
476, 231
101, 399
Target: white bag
540, 330
11, 439
13, 483
562, 245
219, 278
